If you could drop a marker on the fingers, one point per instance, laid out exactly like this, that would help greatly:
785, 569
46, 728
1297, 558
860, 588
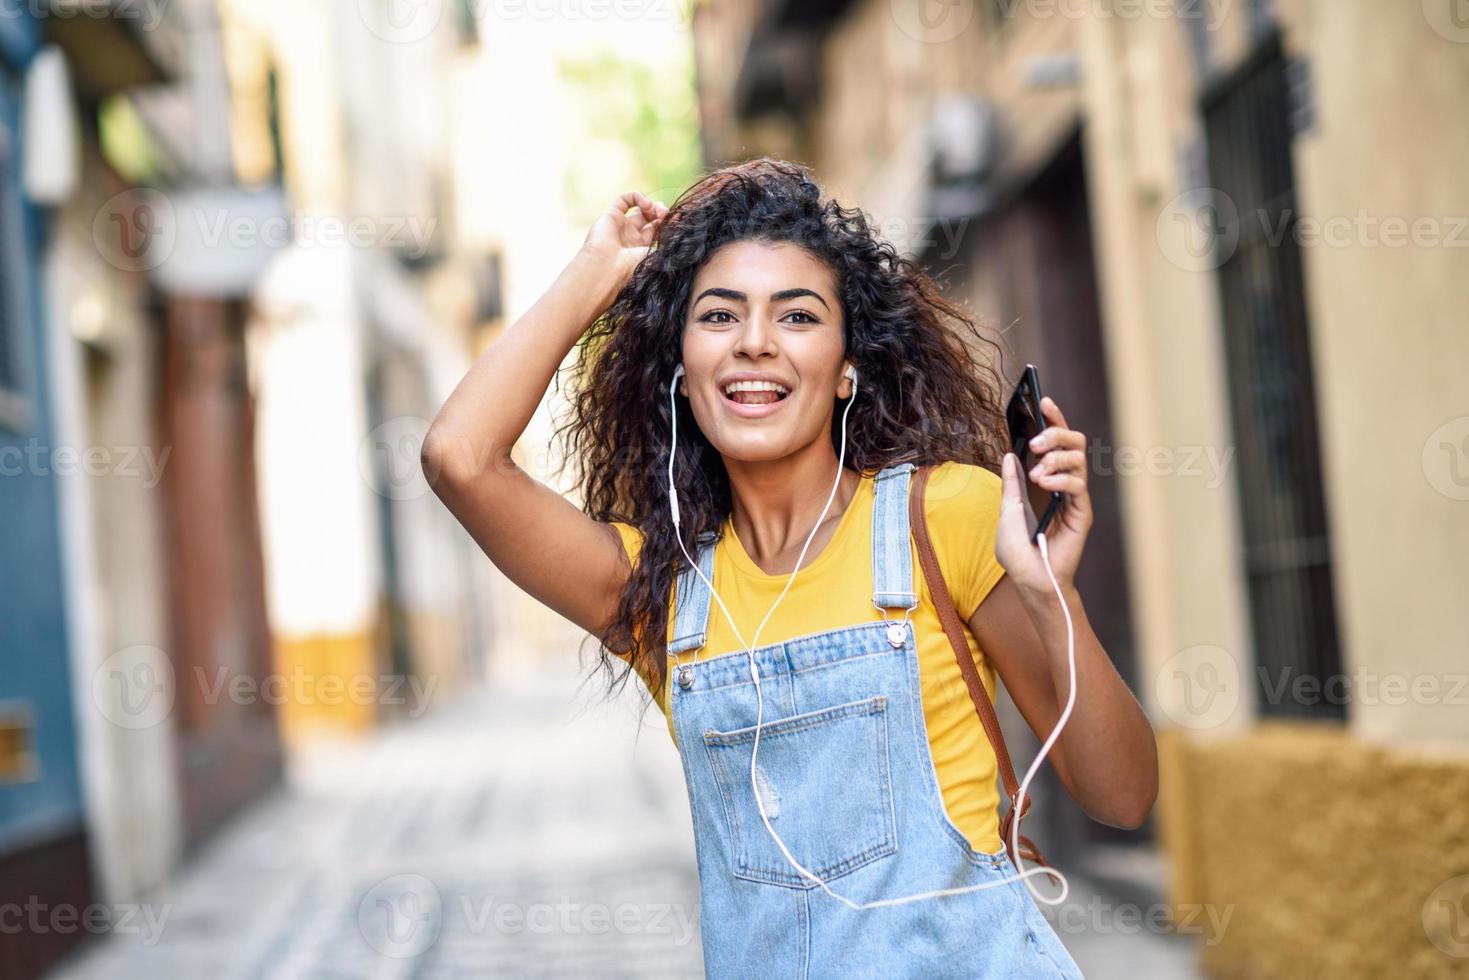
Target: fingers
1058, 435
644, 222
637, 199
1062, 450
1066, 483
1010, 481
1060, 461
1052, 411
628, 199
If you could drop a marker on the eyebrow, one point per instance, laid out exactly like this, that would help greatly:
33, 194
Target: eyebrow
775, 297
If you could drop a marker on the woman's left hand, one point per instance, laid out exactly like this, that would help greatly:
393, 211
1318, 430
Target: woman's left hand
1062, 467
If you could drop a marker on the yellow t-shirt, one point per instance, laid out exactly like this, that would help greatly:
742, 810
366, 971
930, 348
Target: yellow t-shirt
962, 502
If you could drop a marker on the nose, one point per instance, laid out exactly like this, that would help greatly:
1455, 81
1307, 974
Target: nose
756, 338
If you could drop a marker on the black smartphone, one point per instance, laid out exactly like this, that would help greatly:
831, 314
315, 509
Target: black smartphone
1025, 419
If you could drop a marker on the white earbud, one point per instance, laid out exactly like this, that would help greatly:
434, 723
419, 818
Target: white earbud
851, 373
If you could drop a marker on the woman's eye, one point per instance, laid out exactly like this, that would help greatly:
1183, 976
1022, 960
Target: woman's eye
710, 316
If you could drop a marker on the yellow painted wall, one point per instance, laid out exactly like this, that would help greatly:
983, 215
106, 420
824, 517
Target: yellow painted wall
1322, 856
331, 685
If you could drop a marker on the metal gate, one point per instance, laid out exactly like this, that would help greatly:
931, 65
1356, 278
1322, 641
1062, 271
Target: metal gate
1287, 546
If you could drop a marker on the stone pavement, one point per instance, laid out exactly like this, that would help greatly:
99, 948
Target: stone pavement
519, 831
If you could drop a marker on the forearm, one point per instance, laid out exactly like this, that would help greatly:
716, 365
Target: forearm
1108, 745
489, 409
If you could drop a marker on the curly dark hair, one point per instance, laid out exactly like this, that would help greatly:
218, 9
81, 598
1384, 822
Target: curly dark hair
926, 395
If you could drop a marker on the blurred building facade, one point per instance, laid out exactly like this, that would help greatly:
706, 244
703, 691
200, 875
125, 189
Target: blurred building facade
218, 352
138, 368
353, 346
43, 827
1205, 225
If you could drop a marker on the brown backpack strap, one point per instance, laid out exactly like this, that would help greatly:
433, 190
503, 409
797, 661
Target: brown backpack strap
954, 629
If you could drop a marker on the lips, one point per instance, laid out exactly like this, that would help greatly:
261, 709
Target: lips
752, 411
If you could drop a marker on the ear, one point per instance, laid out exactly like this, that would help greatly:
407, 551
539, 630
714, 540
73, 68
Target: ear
683, 387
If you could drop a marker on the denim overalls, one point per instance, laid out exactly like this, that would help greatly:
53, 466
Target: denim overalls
848, 782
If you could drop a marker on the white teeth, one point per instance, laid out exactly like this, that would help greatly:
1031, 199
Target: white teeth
735, 386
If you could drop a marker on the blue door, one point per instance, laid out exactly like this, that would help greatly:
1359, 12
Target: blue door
42, 834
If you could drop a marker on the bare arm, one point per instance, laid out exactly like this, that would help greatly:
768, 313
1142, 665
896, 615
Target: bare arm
532, 533
1106, 756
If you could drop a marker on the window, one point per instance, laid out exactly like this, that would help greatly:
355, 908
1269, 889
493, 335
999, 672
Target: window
1287, 548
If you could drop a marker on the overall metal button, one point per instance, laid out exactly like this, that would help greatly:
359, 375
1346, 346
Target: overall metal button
686, 677
897, 633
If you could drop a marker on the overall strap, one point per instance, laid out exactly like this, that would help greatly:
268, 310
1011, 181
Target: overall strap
953, 628
892, 552
691, 602
892, 563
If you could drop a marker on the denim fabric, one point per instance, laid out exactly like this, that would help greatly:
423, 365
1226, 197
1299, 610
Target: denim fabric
847, 780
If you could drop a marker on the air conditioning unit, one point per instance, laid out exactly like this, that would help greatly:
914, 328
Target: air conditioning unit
963, 138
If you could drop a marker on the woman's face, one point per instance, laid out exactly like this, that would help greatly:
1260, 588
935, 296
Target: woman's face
768, 314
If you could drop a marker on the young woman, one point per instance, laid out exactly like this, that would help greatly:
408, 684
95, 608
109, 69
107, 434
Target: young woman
808, 369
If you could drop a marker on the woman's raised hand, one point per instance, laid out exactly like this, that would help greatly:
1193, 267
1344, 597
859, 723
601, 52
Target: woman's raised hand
1063, 467
621, 239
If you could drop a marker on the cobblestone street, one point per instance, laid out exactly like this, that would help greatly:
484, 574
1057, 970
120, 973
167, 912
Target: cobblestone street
522, 831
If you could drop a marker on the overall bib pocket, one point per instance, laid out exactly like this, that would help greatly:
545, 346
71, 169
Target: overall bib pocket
825, 782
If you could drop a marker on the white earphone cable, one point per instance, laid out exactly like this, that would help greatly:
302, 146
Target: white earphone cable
759, 698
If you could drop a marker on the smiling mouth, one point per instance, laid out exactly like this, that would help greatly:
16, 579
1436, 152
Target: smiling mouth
755, 397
